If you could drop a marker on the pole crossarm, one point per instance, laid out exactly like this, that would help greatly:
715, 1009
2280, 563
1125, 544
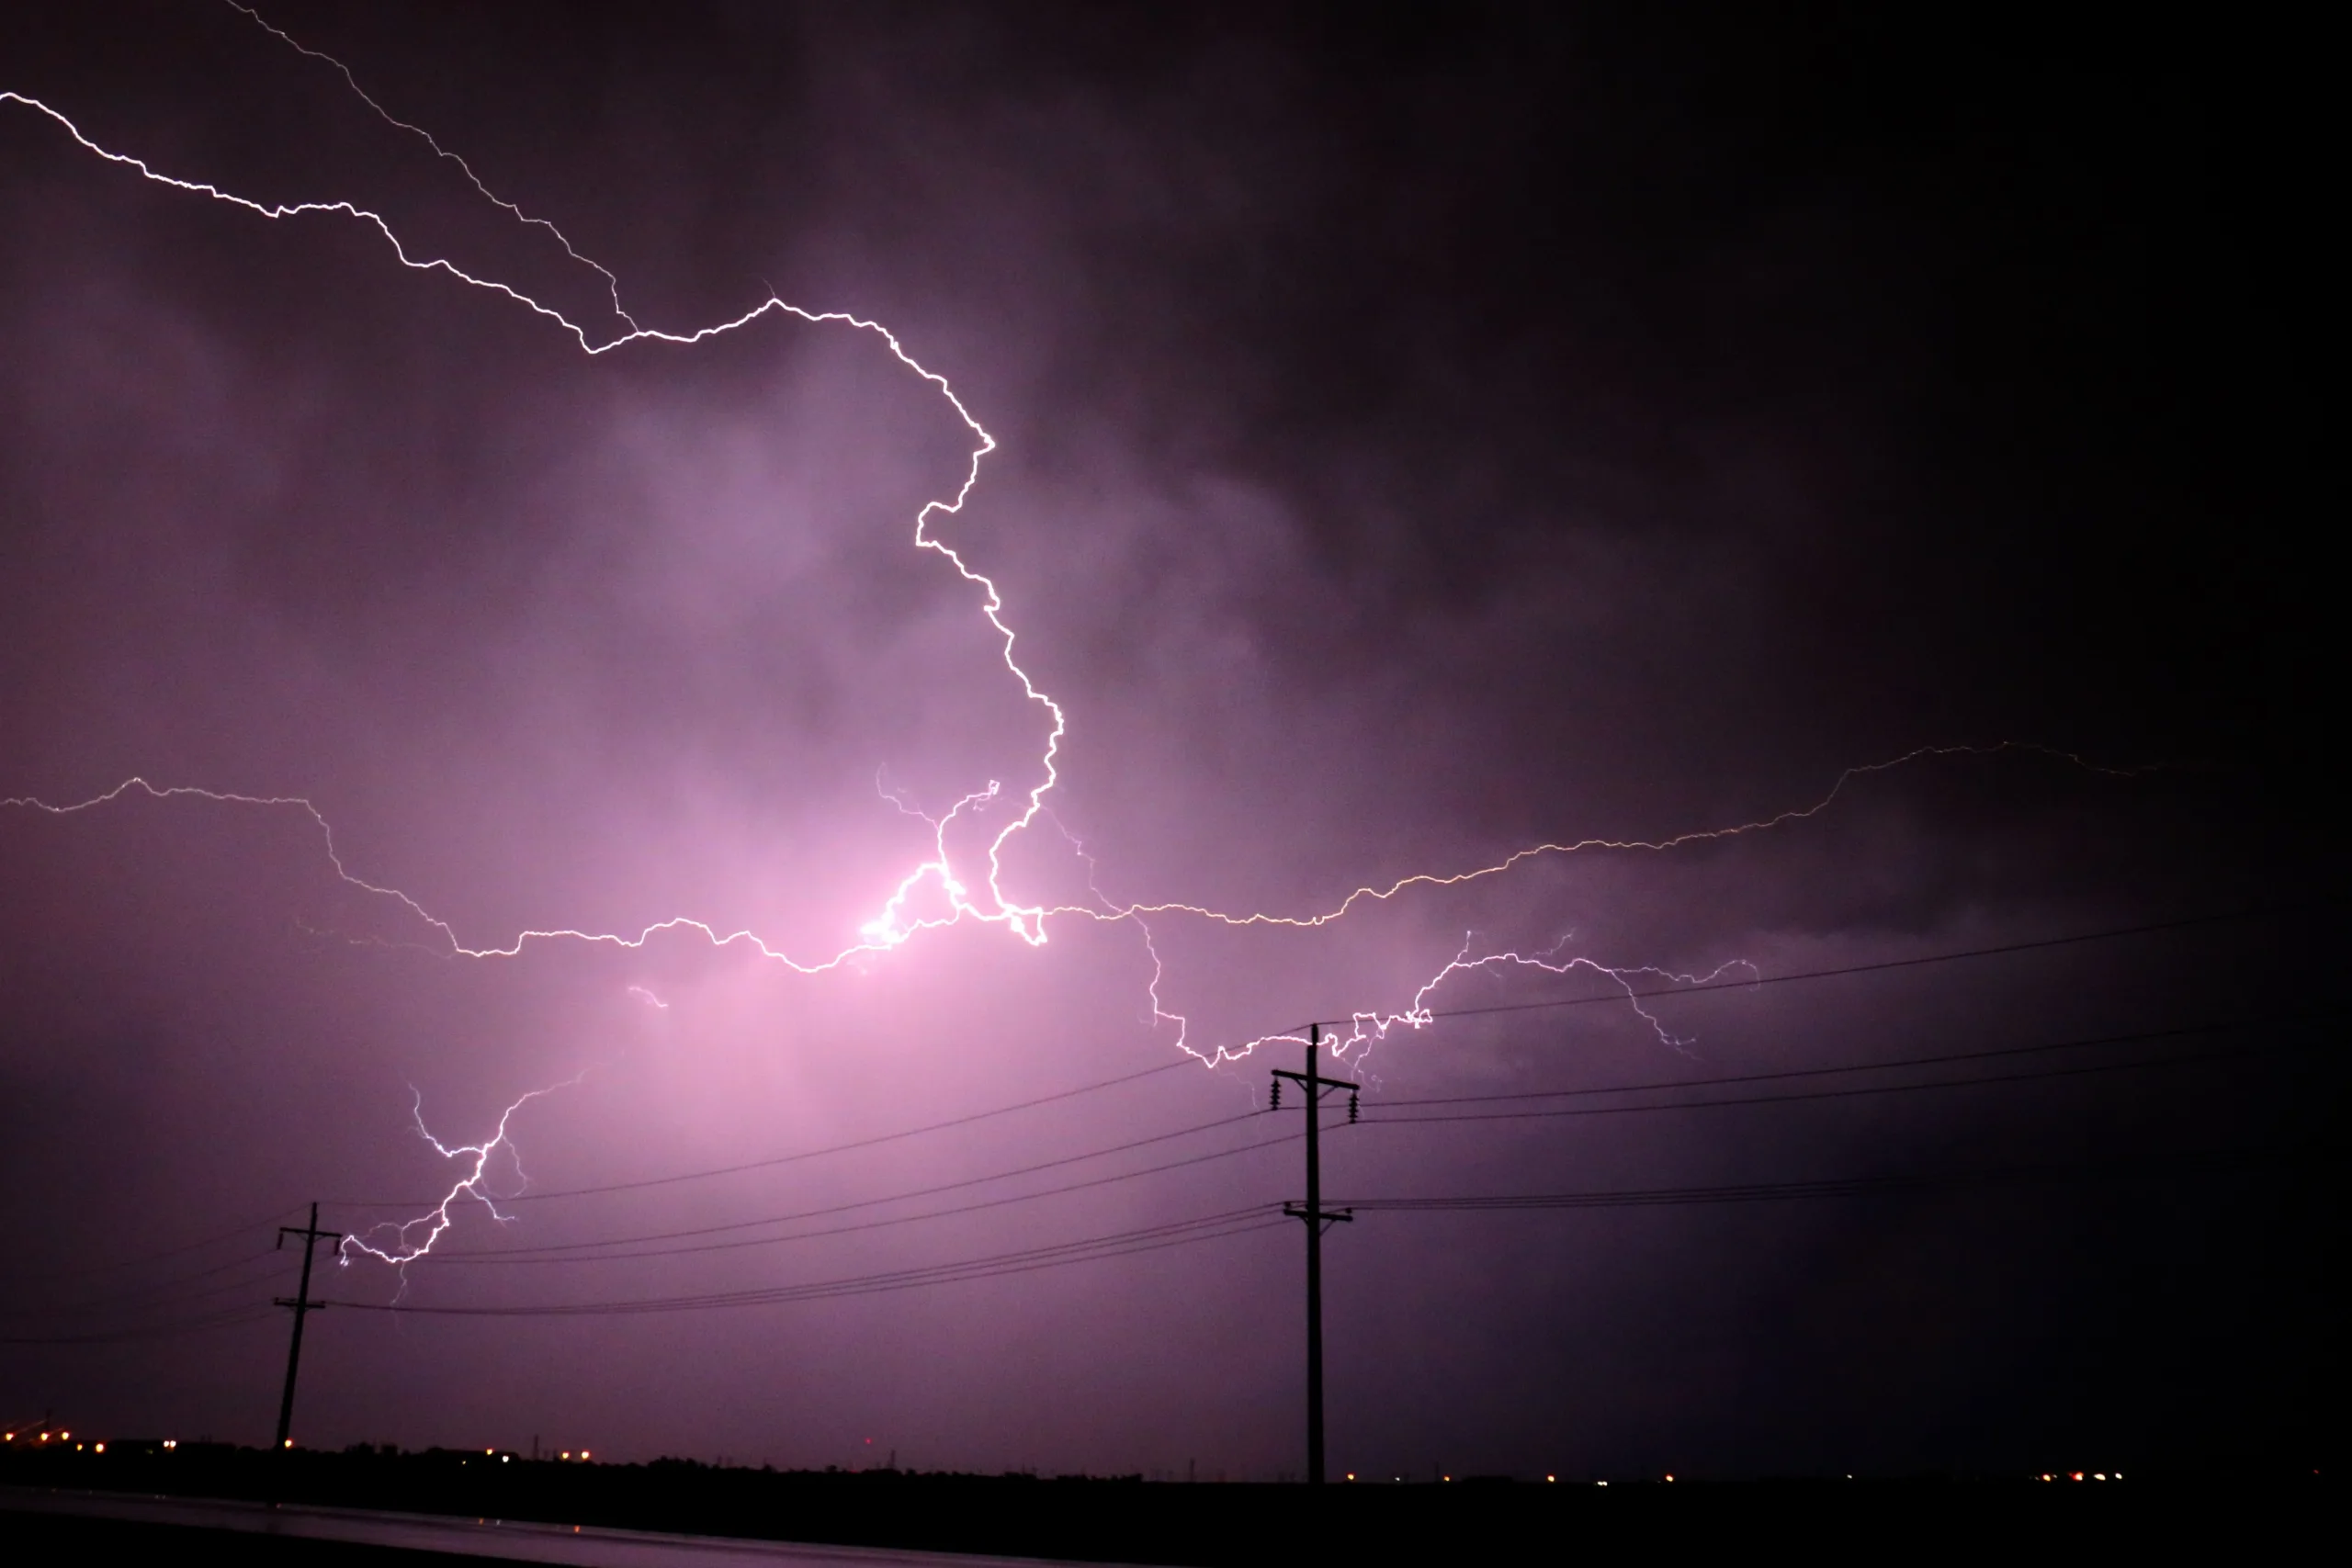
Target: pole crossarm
1314, 1080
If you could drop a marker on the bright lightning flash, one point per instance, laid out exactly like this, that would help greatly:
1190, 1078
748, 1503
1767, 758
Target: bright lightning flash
974, 892
395, 1242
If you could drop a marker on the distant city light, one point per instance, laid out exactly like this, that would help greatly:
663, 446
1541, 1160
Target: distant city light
102, 1447
1551, 1478
171, 1442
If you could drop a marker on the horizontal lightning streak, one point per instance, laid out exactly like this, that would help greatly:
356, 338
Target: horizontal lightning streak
968, 895
893, 925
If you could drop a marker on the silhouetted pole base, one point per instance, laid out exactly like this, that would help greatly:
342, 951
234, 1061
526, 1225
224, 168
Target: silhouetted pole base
301, 1303
1316, 1218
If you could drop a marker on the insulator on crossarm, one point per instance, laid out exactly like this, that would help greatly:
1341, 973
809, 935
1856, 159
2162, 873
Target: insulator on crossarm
1274, 1096
1352, 1108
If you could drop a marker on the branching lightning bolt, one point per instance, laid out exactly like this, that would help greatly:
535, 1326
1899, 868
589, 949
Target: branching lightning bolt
393, 1242
894, 923
969, 895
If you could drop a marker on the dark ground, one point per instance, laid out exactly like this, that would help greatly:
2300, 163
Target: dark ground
49, 1536
1124, 1520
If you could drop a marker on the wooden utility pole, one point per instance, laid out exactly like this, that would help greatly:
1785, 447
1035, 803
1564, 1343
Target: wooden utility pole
301, 1303
1313, 1213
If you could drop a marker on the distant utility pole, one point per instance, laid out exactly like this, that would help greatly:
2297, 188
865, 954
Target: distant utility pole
301, 1303
1313, 1213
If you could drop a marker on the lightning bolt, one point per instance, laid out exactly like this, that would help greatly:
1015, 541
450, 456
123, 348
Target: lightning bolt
974, 893
394, 1242
1364, 1030
894, 924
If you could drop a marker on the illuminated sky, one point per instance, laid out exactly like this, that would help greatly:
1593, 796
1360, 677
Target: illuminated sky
1414, 443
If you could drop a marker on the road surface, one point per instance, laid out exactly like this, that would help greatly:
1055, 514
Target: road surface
514, 1540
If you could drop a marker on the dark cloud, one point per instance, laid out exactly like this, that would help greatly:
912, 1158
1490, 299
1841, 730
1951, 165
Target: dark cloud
1421, 438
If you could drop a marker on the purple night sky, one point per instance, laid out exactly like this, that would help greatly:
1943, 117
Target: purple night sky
1419, 438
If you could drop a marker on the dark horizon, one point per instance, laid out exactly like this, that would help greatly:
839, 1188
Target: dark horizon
1808, 510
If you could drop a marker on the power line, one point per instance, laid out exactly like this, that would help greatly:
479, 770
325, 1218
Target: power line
594, 1251
1977, 1081
1757, 981
231, 1318
1892, 1063
531, 1254
805, 1154
150, 1292
966, 1119
137, 1259
1119, 1243
1245, 1220
899, 1197
2203, 1162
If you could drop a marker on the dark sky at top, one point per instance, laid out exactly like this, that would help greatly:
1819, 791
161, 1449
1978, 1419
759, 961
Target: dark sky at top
1422, 435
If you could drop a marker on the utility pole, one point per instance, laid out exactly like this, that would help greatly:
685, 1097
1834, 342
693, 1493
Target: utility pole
1316, 1220
301, 1303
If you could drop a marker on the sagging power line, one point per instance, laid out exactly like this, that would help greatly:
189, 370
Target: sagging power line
1954, 955
1119, 1243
